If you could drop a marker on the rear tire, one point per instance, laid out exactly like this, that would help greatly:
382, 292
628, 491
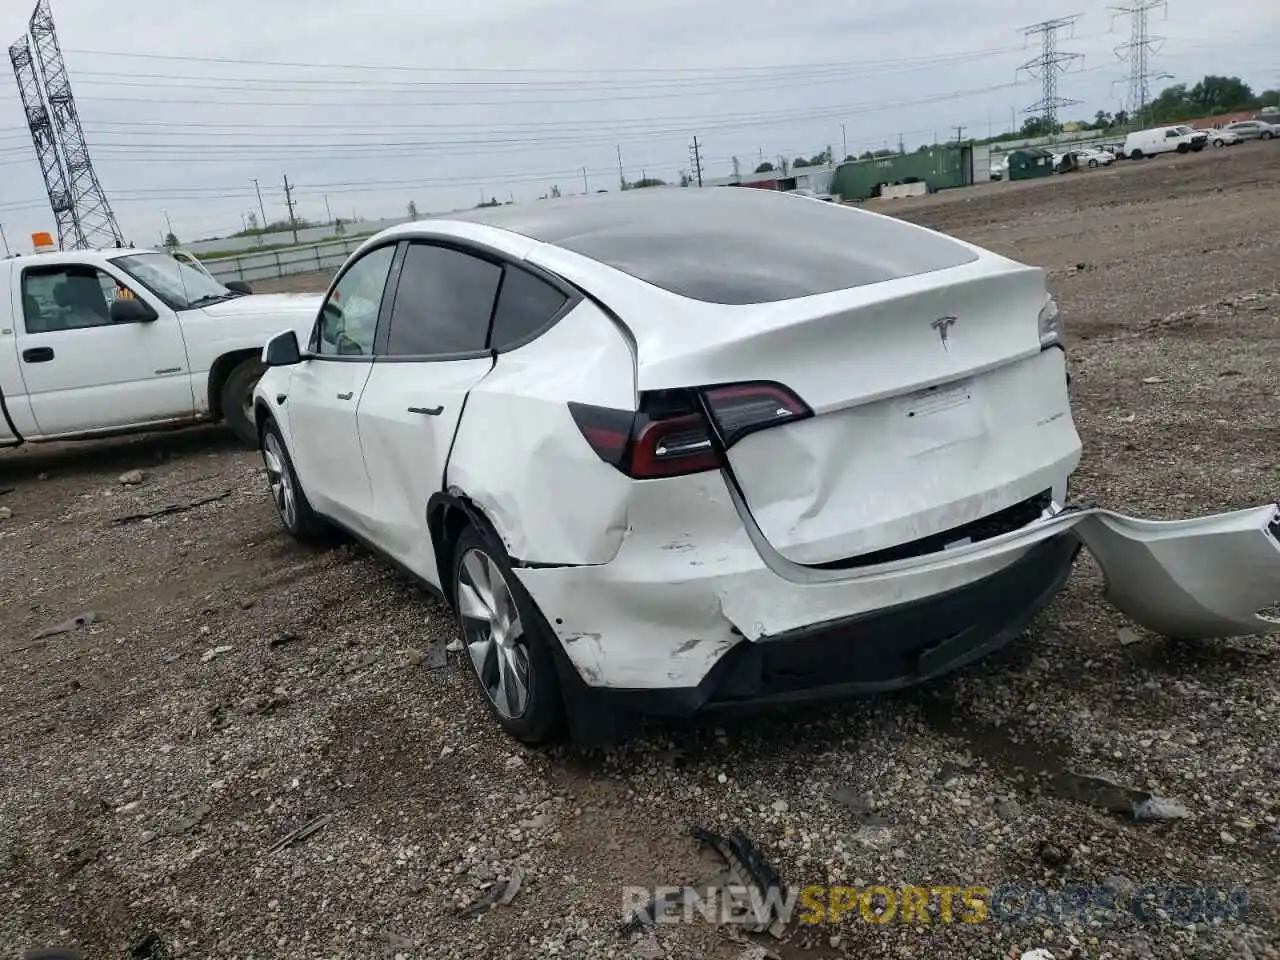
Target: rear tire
1093, 163
291, 502
506, 642
1267, 135
237, 399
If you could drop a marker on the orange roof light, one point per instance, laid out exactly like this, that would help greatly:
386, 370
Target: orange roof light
42, 240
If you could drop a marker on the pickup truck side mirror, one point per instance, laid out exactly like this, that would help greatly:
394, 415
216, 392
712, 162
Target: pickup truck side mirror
282, 350
130, 310
238, 286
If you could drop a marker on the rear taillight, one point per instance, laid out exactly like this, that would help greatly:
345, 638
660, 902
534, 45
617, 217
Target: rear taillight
670, 434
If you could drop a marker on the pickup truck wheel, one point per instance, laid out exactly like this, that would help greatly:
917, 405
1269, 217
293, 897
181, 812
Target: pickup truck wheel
237, 399
286, 492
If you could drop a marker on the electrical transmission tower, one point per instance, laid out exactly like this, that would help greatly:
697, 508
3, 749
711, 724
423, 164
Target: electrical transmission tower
80, 208
1047, 66
1141, 43
695, 160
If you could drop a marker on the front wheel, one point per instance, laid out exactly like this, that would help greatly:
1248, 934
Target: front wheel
1184, 148
237, 399
1219, 142
1268, 135
1136, 155
286, 492
1093, 163
506, 640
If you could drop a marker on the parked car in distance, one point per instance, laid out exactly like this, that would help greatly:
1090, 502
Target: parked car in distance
114, 341
1253, 129
830, 459
1223, 138
1157, 140
1000, 170
1094, 157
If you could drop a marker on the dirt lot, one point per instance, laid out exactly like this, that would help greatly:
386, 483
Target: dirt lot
234, 686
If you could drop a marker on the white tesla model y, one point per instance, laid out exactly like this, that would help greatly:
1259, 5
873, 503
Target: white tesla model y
678, 449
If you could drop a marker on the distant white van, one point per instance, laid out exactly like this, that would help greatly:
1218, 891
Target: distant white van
1148, 143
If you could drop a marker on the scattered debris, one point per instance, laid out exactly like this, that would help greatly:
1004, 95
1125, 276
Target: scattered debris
360, 663
282, 639
500, 894
454, 646
1155, 379
132, 478
190, 822
1108, 795
213, 652
395, 940
513, 886
1053, 855
171, 509
150, 947
1040, 953
78, 622
1128, 636
5, 513
741, 857
304, 831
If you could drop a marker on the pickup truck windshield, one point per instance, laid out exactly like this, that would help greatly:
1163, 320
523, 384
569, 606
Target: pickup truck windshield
180, 286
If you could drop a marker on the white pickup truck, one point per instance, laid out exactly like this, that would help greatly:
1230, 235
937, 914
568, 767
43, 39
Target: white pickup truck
99, 342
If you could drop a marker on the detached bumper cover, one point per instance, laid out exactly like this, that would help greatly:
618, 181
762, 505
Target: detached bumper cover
712, 608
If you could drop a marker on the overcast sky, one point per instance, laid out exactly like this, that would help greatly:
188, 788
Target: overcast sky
443, 104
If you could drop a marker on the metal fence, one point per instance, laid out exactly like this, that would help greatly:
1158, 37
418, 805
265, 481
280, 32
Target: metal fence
286, 262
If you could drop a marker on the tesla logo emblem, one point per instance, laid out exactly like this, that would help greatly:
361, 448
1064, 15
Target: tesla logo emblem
943, 325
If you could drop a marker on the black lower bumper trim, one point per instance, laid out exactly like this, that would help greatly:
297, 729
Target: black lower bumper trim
872, 653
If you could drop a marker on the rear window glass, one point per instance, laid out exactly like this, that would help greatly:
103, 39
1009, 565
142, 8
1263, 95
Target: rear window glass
732, 245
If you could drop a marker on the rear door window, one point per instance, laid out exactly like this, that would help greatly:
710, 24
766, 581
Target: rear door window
526, 306
444, 302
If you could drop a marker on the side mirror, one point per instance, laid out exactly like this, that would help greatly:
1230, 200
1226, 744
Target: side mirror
129, 310
238, 286
282, 350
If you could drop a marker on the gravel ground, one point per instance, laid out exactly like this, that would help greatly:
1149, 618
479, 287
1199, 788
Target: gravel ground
233, 687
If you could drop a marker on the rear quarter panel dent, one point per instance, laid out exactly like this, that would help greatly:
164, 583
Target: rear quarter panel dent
521, 458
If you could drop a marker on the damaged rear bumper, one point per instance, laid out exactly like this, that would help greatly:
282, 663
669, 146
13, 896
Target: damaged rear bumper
715, 616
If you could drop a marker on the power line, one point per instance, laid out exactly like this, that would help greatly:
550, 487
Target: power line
1047, 66
609, 71
1135, 52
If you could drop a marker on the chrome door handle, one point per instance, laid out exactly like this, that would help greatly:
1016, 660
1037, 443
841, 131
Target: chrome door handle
429, 411
345, 396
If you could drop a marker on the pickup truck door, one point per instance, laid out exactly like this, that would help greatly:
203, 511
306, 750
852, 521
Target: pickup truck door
83, 373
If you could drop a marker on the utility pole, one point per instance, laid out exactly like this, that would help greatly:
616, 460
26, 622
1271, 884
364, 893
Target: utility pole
1047, 66
1141, 43
695, 154
261, 209
288, 200
902, 149
622, 178
586, 187
844, 142
4, 239
959, 133
168, 224
327, 212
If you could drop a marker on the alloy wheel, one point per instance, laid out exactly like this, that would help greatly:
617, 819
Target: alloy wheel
493, 633
280, 480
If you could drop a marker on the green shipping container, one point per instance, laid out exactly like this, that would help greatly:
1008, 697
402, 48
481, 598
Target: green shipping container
1030, 163
939, 167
